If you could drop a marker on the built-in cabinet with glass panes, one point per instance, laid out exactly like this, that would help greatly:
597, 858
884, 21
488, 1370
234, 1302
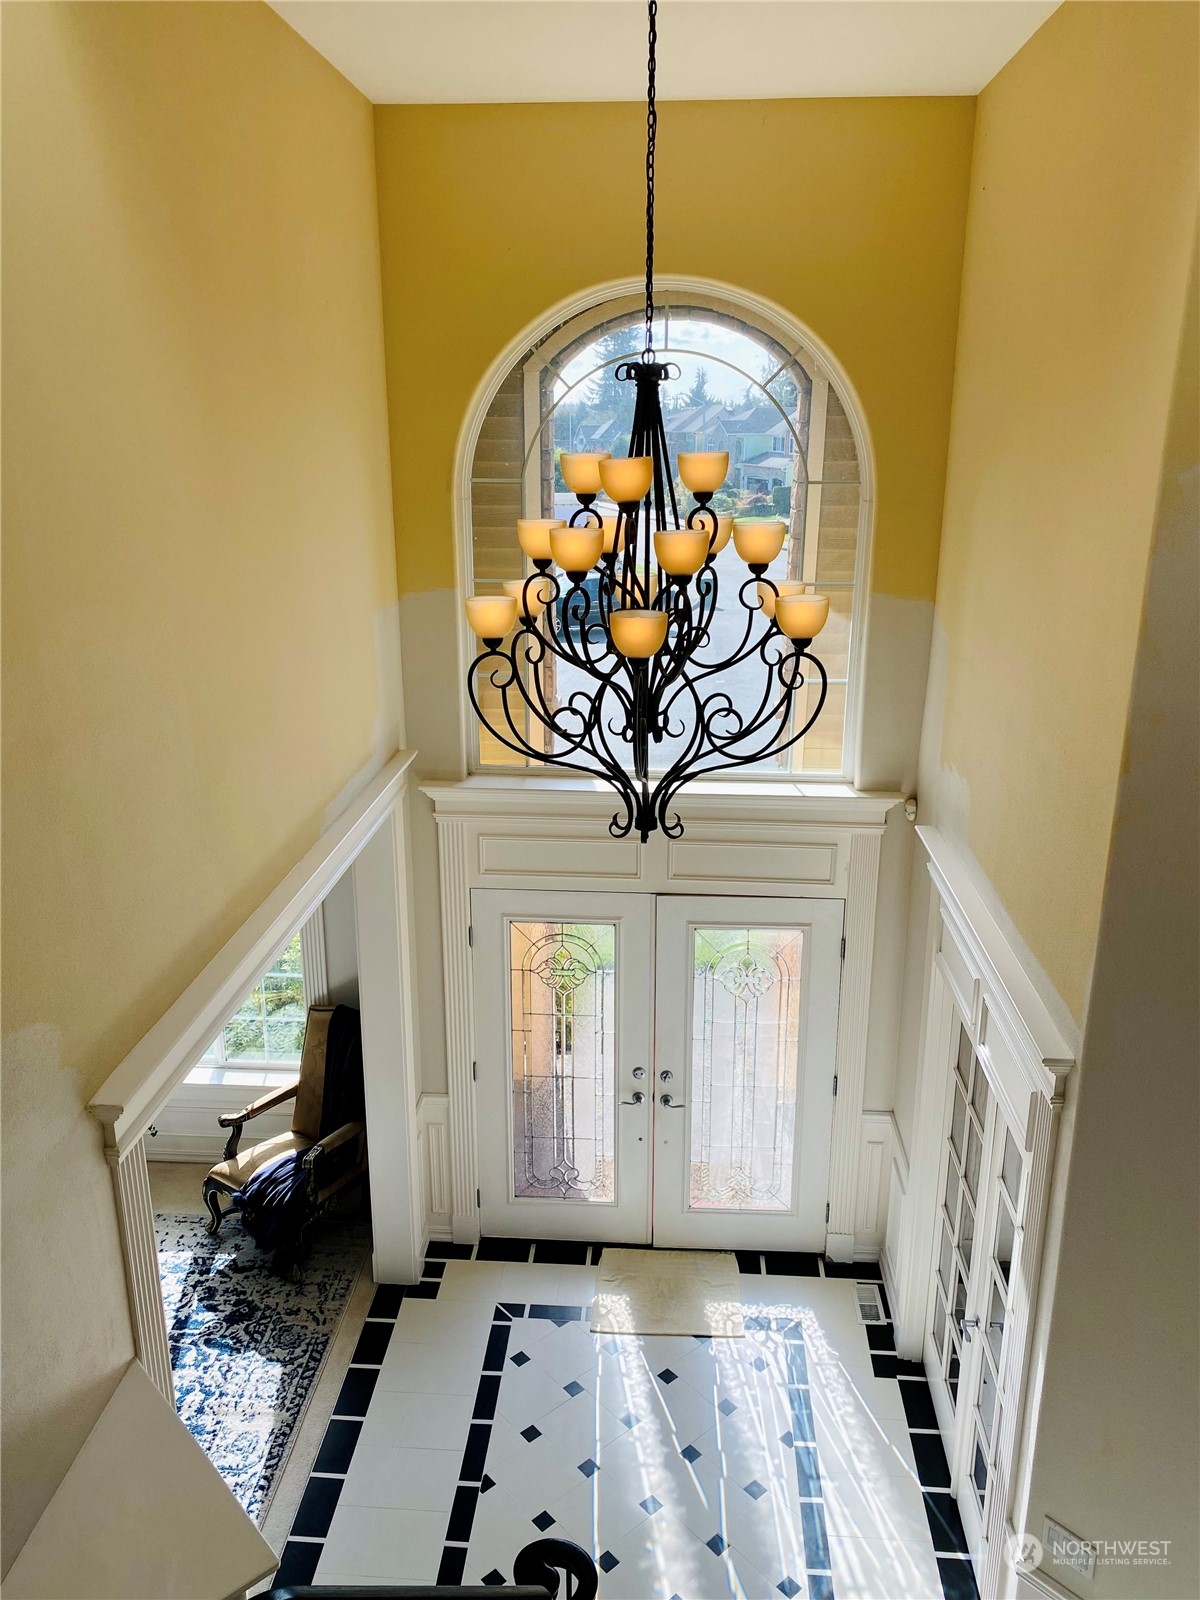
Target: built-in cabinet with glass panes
979, 1230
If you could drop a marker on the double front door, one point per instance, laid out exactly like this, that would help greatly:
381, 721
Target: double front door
656, 1068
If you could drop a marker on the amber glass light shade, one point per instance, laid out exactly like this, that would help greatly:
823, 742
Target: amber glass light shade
581, 470
766, 594
576, 549
758, 543
638, 633
491, 615
801, 616
703, 471
533, 535
681, 554
626, 479
724, 534
609, 528
531, 601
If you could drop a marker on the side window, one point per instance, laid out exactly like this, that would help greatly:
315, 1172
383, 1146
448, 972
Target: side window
268, 1027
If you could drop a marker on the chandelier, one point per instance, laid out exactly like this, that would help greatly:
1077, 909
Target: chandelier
629, 603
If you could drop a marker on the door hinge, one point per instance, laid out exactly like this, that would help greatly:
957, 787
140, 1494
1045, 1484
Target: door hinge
471, 938
827, 1211
843, 949
474, 1072
835, 1085
479, 1202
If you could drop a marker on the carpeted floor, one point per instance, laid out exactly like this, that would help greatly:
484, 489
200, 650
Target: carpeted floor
247, 1346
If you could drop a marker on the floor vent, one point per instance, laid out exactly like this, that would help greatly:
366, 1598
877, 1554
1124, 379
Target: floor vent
870, 1305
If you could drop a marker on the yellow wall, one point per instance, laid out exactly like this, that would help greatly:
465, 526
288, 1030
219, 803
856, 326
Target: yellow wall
1083, 202
198, 555
848, 213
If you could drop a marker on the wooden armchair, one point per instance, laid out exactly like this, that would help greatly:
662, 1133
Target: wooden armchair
325, 1179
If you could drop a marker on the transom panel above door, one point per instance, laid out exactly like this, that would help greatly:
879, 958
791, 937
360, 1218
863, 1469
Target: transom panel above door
673, 1085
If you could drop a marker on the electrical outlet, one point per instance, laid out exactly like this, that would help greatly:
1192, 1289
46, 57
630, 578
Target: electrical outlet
1067, 1549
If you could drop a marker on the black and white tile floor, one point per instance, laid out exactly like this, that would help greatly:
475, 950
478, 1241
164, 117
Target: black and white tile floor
479, 1412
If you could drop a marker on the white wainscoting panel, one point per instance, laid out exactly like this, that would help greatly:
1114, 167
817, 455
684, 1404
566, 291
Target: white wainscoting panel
433, 1141
877, 1141
893, 1236
186, 1127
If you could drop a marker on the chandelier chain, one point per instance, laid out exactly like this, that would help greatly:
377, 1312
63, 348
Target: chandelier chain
651, 140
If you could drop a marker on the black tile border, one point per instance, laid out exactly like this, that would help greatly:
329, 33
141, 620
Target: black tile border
956, 1570
473, 1480
303, 1547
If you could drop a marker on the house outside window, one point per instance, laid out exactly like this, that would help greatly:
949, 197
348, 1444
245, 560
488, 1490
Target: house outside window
752, 387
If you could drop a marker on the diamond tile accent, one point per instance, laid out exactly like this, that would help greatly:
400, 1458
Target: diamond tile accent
726, 1407
531, 1433
520, 1359
607, 1561
630, 1419
650, 1504
754, 1489
611, 1347
788, 1440
690, 1453
667, 1376
573, 1388
486, 1484
542, 1521
493, 1579
759, 1364
588, 1467
788, 1587
717, 1545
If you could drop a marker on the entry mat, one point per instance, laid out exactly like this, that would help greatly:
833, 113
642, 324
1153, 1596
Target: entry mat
247, 1345
676, 1292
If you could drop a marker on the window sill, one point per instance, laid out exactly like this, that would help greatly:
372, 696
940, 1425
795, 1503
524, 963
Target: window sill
228, 1076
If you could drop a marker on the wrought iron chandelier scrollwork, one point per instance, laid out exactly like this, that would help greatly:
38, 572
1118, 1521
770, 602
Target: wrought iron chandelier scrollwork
630, 604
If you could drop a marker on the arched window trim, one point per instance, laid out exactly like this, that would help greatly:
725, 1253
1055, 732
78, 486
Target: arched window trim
553, 331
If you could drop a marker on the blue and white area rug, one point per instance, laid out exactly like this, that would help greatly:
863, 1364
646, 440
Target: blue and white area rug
247, 1346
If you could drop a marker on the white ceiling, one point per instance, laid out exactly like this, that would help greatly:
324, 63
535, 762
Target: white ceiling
470, 51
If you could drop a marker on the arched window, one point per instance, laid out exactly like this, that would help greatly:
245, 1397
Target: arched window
750, 384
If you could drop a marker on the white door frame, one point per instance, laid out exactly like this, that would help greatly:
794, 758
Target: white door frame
774, 839
369, 838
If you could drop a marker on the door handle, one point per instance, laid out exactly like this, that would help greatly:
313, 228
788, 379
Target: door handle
968, 1325
672, 1105
638, 1099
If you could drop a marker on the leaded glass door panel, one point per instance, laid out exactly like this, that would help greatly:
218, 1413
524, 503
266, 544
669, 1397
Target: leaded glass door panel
746, 1033
563, 1041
